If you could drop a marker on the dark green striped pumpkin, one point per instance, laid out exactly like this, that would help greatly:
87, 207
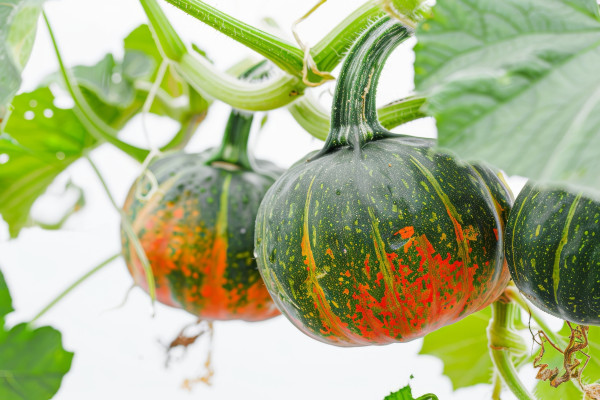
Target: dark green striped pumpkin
553, 251
380, 245
378, 237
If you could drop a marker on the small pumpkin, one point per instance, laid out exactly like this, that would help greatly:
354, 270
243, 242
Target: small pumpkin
380, 238
197, 228
553, 251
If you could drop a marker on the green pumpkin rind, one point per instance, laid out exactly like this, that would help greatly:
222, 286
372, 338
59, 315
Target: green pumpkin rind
379, 238
553, 251
335, 233
197, 232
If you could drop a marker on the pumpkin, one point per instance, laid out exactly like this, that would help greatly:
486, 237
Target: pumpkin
197, 228
380, 238
553, 251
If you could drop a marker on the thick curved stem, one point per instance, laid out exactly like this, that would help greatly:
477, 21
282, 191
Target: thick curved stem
315, 119
326, 54
501, 342
242, 95
354, 119
284, 54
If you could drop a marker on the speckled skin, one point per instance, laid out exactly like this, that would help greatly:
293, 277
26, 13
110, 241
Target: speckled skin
197, 230
382, 243
553, 252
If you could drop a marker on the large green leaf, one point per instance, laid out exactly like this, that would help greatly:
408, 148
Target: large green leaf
18, 25
516, 83
41, 140
463, 348
32, 363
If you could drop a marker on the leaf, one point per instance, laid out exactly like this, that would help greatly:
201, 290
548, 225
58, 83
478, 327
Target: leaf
140, 40
18, 19
516, 83
406, 394
5, 299
41, 140
32, 363
463, 349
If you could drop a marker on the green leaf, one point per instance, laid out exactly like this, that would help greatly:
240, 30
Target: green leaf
516, 83
140, 41
41, 140
32, 363
463, 349
18, 22
406, 394
5, 299
107, 80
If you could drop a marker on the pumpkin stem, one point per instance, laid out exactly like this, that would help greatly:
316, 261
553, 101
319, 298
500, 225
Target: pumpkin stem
354, 113
503, 342
234, 146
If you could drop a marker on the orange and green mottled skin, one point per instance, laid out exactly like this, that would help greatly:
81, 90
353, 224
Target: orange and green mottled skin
553, 251
197, 230
382, 244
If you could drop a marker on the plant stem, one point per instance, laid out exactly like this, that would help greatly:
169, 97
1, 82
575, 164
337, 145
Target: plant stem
209, 81
354, 103
330, 50
501, 343
316, 120
326, 54
284, 54
212, 83
129, 231
97, 128
74, 285
514, 295
497, 387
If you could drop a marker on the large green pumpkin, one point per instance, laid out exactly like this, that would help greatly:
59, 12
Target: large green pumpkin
553, 251
380, 238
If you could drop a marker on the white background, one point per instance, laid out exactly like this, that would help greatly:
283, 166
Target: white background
119, 352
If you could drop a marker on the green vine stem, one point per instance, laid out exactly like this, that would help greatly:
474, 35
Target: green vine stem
234, 146
326, 54
74, 285
513, 294
129, 231
104, 133
268, 95
264, 96
502, 343
284, 54
98, 128
315, 119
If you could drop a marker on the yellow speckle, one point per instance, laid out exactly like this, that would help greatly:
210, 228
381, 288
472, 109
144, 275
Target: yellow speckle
537, 230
